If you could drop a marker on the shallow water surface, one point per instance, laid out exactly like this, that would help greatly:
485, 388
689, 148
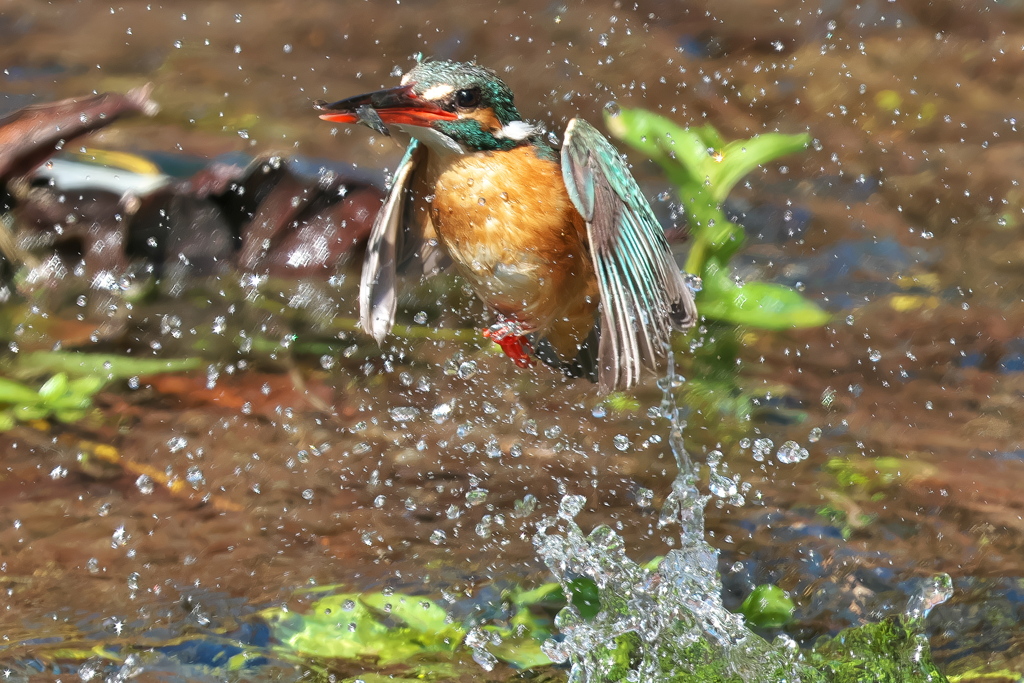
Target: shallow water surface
300, 455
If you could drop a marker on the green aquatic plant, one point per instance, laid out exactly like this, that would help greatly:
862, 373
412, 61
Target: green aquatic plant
385, 629
704, 169
768, 606
73, 380
58, 397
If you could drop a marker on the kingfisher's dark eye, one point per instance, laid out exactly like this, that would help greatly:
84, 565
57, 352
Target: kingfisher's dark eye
466, 99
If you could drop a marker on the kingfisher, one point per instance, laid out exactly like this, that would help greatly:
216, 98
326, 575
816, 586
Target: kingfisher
560, 244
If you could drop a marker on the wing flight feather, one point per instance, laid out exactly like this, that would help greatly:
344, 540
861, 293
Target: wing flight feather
643, 295
399, 236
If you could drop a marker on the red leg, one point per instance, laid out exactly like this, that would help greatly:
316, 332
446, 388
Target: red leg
508, 334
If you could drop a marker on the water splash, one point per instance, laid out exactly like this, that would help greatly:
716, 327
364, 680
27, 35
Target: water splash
652, 621
655, 623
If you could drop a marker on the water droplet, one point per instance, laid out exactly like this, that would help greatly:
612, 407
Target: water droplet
525, 506
815, 435
476, 496
119, 538
483, 527
438, 537
442, 411
420, 318
762, 447
874, 355
467, 369
644, 497
404, 413
621, 442
693, 282
791, 452
721, 485
145, 484
194, 476
570, 506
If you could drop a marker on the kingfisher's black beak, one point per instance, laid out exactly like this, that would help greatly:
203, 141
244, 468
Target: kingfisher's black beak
399, 105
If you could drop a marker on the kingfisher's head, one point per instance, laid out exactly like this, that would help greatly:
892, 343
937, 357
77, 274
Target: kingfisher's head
450, 106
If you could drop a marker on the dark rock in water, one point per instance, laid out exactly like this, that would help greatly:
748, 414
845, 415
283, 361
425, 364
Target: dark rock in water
87, 226
260, 217
31, 135
171, 228
302, 230
257, 215
327, 232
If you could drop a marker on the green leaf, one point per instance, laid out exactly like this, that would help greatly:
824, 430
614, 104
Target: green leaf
680, 152
6, 420
12, 392
103, 366
759, 304
353, 626
621, 402
85, 386
518, 650
768, 606
548, 592
585, 596
740, 157
54, 388
69, 415
419, 614
25, 413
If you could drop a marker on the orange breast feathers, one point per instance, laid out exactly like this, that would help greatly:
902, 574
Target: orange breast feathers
508, 223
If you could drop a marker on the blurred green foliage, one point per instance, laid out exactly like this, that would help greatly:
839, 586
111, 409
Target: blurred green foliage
768, 606
705, 169
73, 381
392, 628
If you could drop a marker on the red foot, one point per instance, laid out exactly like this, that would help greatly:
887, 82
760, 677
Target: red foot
517, 347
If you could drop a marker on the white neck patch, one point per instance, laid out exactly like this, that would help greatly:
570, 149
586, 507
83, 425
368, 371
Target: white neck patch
517, 130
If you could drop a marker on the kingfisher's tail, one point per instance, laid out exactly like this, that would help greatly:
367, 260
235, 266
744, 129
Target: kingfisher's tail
583, 365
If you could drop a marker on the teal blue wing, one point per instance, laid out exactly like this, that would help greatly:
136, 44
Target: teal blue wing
400, 235
643, 295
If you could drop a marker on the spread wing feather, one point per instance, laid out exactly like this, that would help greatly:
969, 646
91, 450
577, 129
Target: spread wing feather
398, 237
643, 295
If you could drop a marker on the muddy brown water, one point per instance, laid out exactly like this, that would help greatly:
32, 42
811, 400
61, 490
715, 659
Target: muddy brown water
302, 467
